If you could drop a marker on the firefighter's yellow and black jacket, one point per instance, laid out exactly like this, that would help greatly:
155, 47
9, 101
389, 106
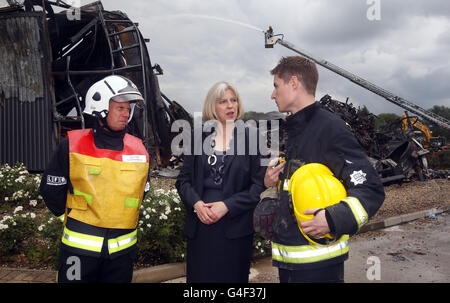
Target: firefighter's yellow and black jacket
315, 135
95, 183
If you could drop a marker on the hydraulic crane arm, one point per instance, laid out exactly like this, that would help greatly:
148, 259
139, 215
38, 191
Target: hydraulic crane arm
430, 116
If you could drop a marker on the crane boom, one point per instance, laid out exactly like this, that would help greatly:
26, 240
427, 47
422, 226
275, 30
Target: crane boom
430, 116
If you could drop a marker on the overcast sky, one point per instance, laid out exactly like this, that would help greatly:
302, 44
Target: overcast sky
199, 42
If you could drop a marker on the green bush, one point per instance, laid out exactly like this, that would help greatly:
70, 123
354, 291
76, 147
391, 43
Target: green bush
19, 187
160, 228
15, 230
50, 232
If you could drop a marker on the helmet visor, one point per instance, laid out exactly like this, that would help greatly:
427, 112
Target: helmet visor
127, 97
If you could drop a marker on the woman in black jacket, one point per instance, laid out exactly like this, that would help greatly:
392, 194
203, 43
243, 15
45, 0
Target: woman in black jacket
220, 188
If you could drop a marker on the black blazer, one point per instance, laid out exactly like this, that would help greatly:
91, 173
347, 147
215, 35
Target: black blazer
243, 182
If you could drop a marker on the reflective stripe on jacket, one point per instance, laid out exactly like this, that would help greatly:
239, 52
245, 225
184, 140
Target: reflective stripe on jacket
309, 253
95, 243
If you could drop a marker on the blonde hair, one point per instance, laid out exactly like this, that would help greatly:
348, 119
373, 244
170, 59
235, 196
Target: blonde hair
214, 94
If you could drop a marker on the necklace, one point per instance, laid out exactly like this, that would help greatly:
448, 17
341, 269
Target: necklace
216, 170
212, 159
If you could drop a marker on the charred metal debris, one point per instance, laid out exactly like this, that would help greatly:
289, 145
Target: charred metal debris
397, 155
50, 55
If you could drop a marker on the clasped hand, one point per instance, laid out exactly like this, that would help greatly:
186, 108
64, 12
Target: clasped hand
209, 213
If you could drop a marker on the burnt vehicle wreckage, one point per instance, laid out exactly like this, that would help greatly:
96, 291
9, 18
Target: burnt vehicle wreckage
49, 60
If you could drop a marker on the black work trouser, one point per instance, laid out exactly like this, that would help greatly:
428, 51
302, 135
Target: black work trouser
75, 268
328, 274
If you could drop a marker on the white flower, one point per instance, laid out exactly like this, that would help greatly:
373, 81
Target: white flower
159, 191
147, 217
41, 227
163, 217
20, 179
18, 208
6, 218
176, 200
33, 202
6, 199
149, 225
32, 215
3, 226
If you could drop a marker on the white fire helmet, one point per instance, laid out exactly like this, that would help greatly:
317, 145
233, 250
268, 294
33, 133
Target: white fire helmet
116, 88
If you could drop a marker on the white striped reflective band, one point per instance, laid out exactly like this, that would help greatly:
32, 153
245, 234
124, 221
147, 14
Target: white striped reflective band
82, 241
309, 253
358, 210
122, 242
62, 217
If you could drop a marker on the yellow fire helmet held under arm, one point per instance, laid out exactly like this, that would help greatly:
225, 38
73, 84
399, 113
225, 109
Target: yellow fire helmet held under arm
314, 186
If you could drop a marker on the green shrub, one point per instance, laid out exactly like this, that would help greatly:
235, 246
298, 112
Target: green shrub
160, 227
19, 187
50, 232
15, 230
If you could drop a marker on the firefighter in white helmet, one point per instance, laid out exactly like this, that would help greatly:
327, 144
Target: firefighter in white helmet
315, 135
95, 183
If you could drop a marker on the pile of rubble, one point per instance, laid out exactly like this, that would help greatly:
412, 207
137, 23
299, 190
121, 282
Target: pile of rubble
395, 154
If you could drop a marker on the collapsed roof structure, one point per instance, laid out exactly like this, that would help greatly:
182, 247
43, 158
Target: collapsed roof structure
48, 61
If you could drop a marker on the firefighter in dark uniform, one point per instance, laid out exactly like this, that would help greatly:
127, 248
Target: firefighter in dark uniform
95, 183
315, 135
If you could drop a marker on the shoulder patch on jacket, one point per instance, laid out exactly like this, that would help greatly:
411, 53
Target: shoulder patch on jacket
358, 177
56, 180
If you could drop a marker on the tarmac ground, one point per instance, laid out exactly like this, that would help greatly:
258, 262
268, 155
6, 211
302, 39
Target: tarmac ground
407, 249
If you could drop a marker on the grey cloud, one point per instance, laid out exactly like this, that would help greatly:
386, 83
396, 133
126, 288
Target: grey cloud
197, 51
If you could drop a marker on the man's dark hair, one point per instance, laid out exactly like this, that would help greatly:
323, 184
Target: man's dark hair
304, 69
